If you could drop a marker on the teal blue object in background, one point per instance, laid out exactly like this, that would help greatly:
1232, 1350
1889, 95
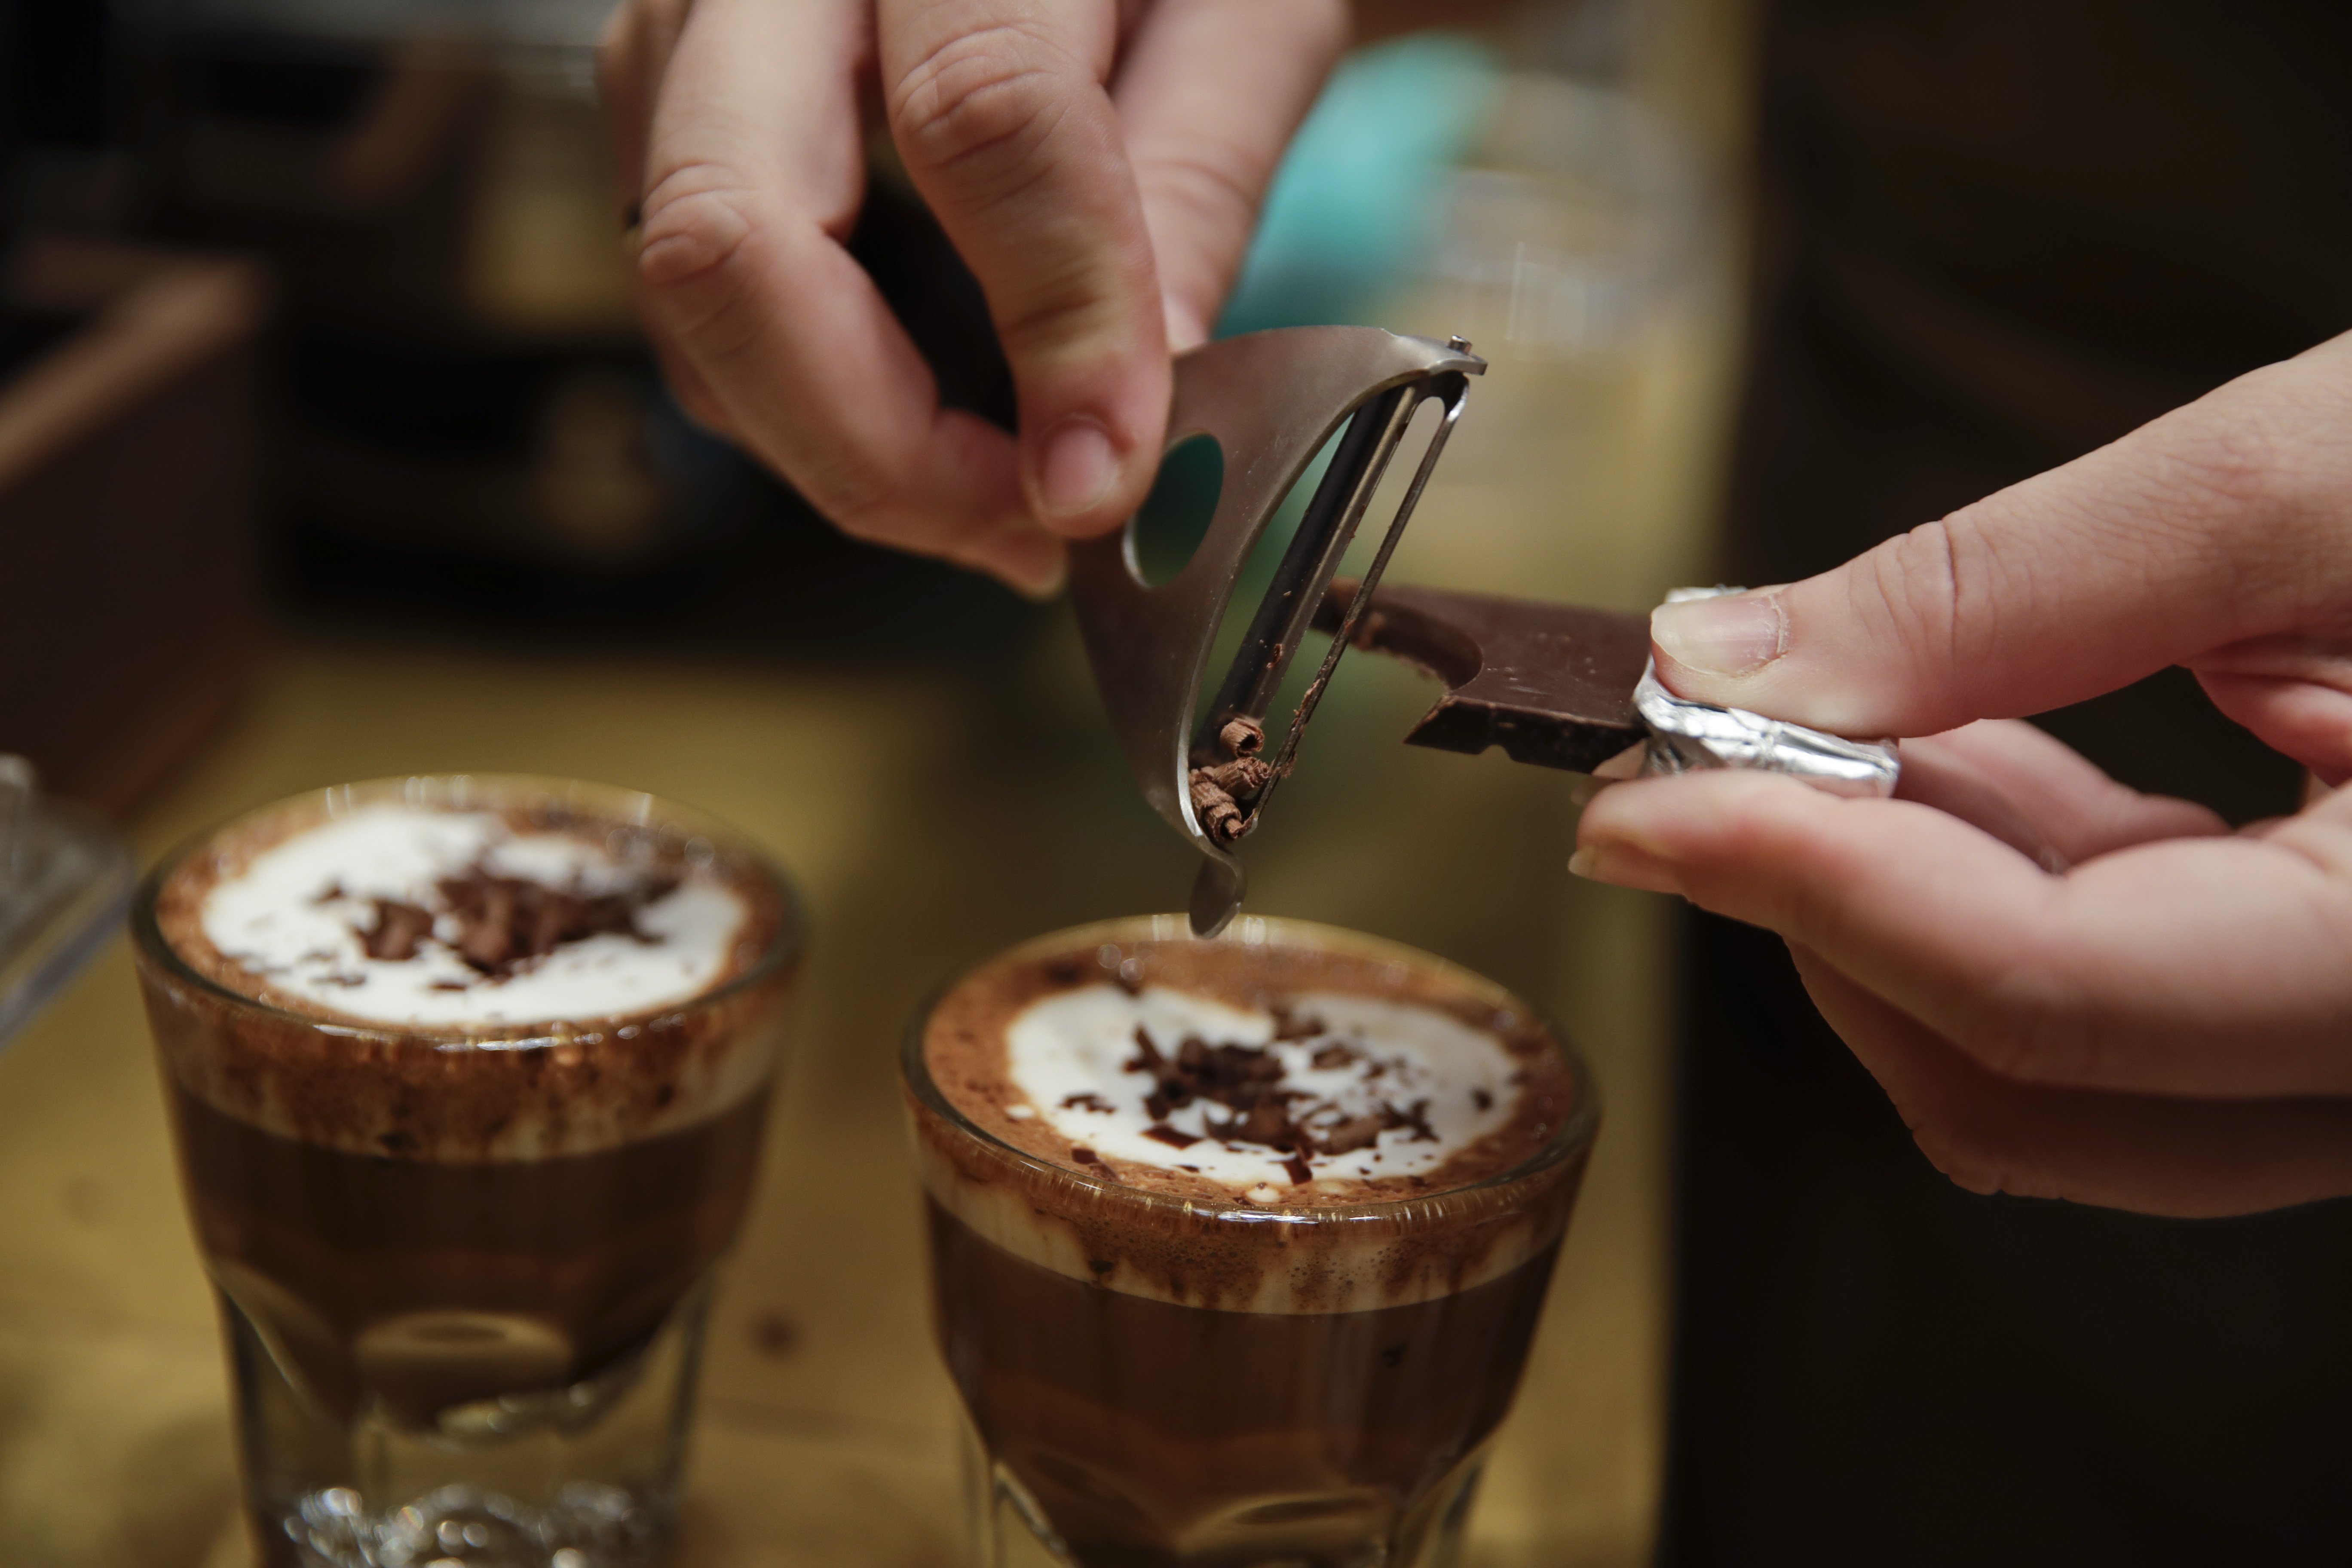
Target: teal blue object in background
1352, 208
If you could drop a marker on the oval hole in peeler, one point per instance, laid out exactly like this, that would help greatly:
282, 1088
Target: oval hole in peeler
1167, 529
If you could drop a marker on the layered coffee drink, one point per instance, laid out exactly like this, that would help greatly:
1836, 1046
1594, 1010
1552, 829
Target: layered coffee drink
467, 1078
1238, 1244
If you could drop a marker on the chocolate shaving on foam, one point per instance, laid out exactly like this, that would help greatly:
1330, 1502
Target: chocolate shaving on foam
1416, 1116
399, 928
1356, 1132
1249, 1081
504, 923
1290, 1026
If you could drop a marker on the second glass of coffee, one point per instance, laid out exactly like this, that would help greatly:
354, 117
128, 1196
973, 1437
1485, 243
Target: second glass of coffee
1238, 1246
467, 1078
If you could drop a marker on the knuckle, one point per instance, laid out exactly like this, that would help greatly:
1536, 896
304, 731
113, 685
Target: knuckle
979, 102
2033, 1033
1203, 178
697, 229
858, 509
1915, 589
856, 496
1964, 1160
1056, 316
2234, 456
1976, 1150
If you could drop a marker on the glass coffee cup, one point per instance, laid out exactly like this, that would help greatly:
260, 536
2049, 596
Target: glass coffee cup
467, 1078
1251, 1282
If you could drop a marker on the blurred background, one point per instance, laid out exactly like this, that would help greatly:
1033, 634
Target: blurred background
330, 448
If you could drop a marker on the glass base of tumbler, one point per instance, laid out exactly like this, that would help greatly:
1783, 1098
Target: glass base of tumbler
586, 1526
1348, 1529
580, 1476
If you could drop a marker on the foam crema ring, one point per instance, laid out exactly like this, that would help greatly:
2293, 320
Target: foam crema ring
1432, 1134
252, 948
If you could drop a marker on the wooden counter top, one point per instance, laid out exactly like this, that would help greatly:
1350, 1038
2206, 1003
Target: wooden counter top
931, 818
828, 1430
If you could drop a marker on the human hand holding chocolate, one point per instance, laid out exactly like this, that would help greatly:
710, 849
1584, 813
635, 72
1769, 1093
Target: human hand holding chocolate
2158, 1014
1097, 163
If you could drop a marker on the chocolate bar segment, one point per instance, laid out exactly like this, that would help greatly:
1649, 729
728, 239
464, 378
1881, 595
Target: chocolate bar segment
1551, 684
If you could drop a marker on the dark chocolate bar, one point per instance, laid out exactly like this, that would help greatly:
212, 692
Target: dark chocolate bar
1551, 684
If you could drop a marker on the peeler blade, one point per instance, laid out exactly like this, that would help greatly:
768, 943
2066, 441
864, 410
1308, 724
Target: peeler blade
1270, 400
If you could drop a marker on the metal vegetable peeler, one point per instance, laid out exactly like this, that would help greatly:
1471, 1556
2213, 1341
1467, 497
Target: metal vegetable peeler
1269, 400
1558, 685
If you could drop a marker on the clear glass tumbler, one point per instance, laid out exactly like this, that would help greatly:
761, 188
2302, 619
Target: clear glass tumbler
1116, 1420
463, 1271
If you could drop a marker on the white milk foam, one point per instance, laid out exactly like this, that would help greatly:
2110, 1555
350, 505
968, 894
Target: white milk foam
273, 920
1069, 1052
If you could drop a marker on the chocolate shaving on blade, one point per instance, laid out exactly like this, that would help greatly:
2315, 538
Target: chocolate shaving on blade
1220, 787
1241, 777
1215, 809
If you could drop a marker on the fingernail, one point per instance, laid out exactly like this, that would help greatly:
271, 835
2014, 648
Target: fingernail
1077, 468
1721, 636
1622, 866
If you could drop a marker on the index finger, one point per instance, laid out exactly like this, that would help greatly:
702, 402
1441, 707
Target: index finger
2220, 521
754, 175
1001, 111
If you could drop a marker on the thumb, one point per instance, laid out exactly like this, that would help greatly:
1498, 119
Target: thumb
2227, 520
1000, 113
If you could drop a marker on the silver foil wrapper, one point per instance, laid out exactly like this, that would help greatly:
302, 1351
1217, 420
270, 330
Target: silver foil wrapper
1686, 736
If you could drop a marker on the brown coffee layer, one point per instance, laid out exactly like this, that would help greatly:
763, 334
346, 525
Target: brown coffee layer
457, 1093
1325, 1245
